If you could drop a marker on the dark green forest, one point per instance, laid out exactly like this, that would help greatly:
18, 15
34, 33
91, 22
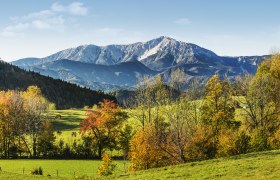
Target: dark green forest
63, 94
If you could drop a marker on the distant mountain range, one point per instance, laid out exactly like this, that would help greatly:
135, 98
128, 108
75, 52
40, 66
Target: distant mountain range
114, 67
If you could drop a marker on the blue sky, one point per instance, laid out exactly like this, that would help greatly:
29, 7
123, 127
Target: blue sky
37, 28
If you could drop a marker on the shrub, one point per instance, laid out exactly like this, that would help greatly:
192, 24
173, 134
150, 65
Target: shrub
259, 140
274, 140
146, 150
37, 171
242, 143
227, 145
201, 145
107, 167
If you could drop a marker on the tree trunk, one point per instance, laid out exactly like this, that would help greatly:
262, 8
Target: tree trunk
34, 147
100, 151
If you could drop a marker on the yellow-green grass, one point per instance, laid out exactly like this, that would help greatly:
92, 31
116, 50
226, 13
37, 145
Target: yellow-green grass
66, 122
65, 168
262, 165
69, 120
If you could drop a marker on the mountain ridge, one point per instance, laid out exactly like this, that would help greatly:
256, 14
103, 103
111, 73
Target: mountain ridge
157, 56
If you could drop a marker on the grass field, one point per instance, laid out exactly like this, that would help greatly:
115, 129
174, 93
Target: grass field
263, 165
65, 168
69, 120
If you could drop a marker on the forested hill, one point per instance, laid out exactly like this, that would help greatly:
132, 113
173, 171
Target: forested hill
63, 94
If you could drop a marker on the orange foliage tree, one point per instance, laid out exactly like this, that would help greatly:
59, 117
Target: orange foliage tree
104, 124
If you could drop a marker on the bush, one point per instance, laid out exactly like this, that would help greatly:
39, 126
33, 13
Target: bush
259, 140
274, 140
227, 143
201, 145
146, 150
107, 167
37, 171
242, 143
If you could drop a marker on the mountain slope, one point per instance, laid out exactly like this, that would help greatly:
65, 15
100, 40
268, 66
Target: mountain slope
63, 94
123, 75
157, 54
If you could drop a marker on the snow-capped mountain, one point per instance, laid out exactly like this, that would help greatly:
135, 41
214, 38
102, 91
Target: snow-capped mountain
161, 53
91, 64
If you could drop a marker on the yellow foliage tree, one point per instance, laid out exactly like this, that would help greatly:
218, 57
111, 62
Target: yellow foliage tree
146, 151
107, 167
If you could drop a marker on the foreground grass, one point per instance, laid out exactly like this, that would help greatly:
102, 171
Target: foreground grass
263, 165
65, 168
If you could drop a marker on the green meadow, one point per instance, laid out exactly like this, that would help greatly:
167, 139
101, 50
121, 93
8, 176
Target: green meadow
262, 165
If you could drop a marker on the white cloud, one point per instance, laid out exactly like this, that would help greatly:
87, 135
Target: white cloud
40, 14
182, 21
75, 8
108, 31
54, 22
7, 34
41, 24
49, 19
17, 27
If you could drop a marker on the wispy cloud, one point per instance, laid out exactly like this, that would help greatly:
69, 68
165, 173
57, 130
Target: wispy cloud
75, 8
49, 19
108, 31
183, 21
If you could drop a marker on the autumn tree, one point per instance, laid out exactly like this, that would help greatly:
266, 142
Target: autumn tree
218, 109
177, 79
46, 138
263, 97
143, 100
146, 150
104, 124
262, 104
20, 116
35, 105
107, 167
183, 122
6, 124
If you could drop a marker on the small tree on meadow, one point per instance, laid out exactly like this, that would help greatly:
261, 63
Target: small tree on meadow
105, 125
107, 167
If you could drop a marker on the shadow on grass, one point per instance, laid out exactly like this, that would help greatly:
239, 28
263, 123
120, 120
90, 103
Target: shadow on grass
256, 154
64, 126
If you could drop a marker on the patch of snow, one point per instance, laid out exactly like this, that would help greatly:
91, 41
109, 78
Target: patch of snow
150, 52
117, 73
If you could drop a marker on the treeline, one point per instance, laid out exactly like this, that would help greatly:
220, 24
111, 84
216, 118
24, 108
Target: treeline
225, 118
65, 95
26, 130
23, 129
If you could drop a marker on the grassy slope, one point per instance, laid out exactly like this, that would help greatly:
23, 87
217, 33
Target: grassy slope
263, 165
69, 121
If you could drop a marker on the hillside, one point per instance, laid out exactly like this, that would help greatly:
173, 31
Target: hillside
114, 67
110, 77
64, 95
262, 165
